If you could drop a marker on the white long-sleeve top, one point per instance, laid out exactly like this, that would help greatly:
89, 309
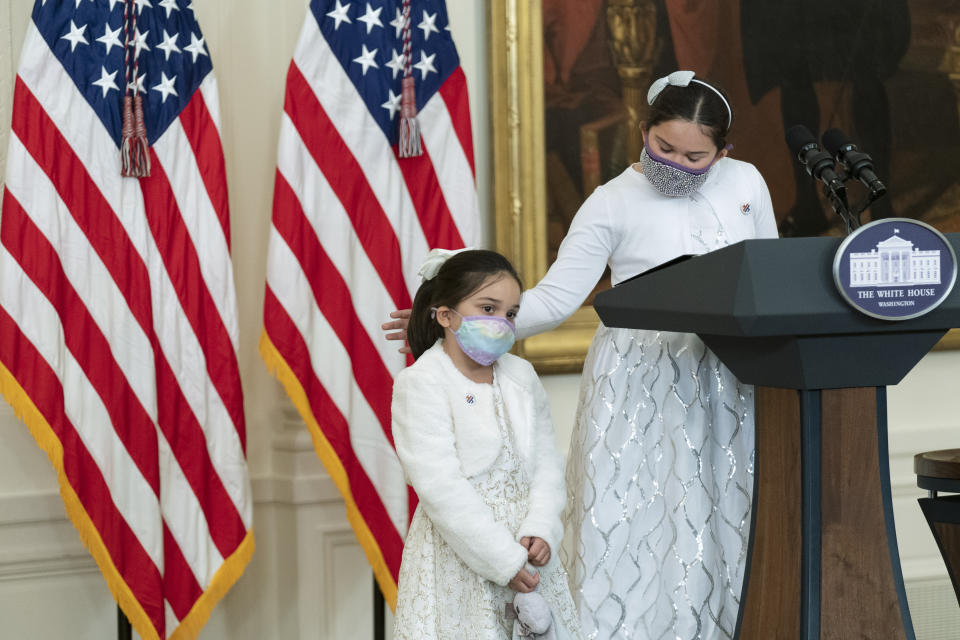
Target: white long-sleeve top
630, 226
445, 431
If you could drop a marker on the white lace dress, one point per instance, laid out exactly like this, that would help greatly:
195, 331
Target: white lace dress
440, 597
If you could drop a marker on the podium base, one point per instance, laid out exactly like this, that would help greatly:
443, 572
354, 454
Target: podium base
823, 561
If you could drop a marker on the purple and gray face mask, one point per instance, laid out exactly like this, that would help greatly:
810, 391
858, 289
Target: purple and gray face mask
670, 178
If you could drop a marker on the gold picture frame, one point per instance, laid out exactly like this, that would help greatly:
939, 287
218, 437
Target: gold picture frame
515, 38
949, 341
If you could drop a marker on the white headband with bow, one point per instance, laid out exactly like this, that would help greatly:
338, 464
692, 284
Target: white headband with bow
434, 260
683, 79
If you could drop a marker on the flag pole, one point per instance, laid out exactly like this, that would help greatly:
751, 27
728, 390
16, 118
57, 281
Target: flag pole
379, 622
123, 625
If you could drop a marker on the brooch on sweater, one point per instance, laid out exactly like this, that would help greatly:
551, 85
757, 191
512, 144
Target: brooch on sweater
745, 208
470, 398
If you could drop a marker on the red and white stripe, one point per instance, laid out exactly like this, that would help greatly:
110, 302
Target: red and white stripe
351, 226
118, 321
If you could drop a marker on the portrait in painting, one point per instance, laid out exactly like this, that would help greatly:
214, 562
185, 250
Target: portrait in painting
885, 73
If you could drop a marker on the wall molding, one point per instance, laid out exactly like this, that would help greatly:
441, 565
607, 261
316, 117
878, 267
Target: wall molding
905, 442
334, 541
38, 541
46, 506
44, 567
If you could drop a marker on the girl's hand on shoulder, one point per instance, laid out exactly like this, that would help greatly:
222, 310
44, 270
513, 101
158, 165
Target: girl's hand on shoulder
399, 325
539, 551
524, 581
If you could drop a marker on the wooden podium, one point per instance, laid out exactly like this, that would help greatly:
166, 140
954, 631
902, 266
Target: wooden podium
823, 559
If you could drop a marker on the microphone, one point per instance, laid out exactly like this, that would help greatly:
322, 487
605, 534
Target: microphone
820, 165
816, 161
857, 163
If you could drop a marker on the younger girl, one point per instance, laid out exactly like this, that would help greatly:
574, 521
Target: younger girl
473, 432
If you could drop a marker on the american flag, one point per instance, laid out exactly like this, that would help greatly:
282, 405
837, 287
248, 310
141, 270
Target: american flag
118, 322
351, 224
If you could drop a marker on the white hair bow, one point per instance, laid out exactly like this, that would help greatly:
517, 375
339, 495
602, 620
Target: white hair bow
676, 79
434, 260
683, 79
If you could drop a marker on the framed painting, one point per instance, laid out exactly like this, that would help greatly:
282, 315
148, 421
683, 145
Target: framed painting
568, 82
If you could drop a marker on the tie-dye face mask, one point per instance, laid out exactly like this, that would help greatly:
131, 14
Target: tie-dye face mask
485, 338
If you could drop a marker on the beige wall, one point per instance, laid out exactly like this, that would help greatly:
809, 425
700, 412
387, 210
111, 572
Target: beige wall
308, 578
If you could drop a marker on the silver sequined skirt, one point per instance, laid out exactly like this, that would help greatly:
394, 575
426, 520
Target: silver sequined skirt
659, 482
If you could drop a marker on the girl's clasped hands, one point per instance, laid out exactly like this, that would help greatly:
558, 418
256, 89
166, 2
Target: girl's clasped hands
539, 555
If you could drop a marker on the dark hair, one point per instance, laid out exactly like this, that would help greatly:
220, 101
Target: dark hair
696, 103
458, 277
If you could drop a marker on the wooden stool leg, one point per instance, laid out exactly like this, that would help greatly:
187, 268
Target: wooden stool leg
943, 516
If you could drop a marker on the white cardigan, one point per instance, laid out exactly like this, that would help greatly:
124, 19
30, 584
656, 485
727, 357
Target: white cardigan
445, 431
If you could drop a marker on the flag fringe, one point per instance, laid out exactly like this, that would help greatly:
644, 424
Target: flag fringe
279, 368
225, 577
43, 433
223, 580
